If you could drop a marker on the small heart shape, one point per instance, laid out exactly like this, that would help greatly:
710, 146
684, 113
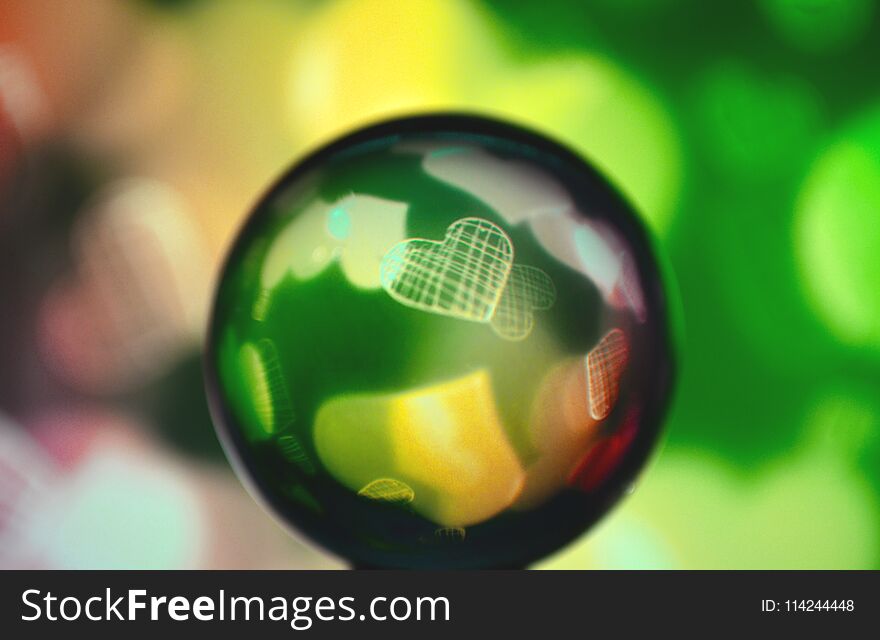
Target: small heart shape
528, 289
388, 490
462, 276
605, 364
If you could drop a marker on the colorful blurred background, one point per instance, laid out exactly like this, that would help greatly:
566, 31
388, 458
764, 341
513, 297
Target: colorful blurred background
135, 136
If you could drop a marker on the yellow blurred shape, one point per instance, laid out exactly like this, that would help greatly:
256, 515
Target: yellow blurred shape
222, 134
388, 490
602, 112
359, 60
445, 441
450, 436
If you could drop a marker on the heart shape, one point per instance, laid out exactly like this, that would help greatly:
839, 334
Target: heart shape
388, 490
528, 288
462, 276
521, 195
605, 364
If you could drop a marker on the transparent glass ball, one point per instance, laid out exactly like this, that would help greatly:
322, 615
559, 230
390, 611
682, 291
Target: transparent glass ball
440, 342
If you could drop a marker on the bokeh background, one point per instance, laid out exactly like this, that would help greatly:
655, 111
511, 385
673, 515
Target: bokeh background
135, 135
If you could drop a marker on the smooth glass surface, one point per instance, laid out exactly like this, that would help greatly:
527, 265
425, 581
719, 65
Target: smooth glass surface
440, 342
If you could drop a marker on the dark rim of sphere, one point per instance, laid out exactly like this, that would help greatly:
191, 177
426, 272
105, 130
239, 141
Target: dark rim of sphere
661, 331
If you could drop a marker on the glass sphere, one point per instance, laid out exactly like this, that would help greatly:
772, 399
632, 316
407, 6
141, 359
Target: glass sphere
440, 341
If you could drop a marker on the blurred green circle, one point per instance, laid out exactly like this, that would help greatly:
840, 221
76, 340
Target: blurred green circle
837, 234
819, 25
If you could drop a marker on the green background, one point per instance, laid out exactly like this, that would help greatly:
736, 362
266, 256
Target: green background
746, 132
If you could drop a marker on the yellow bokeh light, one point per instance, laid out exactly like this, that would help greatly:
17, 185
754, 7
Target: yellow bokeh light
362, 60
446, 442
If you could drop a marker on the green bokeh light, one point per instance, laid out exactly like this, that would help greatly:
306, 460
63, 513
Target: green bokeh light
728, 124
837, 234
756, 125
819, 25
